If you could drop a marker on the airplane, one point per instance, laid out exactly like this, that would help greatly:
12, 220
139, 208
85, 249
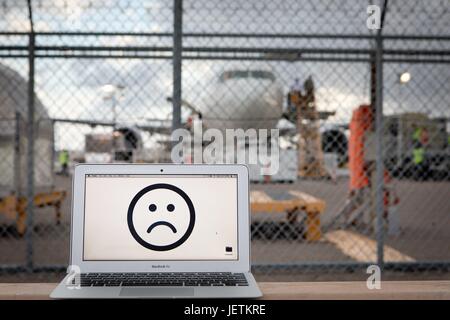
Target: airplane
239, 98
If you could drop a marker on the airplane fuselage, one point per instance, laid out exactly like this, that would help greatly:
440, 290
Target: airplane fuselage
243, 99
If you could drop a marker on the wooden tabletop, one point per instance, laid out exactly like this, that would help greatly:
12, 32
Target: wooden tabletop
288, 290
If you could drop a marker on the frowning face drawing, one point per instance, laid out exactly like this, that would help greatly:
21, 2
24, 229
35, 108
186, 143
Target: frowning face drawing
161, 217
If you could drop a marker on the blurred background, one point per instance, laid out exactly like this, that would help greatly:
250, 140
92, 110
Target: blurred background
363, 116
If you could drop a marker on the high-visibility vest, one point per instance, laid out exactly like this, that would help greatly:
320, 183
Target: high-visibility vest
418, 155
417, 133
64, 157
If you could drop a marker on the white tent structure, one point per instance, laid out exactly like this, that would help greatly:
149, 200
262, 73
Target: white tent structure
13, 137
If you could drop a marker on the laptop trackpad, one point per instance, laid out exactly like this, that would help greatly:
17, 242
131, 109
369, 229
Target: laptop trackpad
156, 292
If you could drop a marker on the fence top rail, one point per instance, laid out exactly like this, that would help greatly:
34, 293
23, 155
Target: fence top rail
231, 50
231, 35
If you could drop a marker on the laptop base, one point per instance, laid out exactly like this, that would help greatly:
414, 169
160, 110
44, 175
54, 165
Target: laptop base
167, 292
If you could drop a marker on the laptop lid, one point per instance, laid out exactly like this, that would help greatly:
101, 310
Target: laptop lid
160, 218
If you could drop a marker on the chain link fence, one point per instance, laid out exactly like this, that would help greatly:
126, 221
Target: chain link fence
363, 118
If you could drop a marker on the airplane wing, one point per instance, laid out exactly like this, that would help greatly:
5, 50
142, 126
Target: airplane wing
188, 105
153, 126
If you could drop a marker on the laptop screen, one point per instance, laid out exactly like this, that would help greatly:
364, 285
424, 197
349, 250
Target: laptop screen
160, 217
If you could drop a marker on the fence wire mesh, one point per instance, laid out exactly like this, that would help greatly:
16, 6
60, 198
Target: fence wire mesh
104, 85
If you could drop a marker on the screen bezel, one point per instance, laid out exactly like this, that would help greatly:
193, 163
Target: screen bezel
77, 235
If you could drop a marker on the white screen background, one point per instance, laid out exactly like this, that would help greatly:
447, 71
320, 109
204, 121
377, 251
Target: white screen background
106, 232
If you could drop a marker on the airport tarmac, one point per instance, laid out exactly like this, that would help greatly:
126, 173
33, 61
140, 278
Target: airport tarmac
423, 214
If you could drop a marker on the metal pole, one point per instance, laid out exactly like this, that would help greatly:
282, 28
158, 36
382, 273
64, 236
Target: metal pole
379, 165
17, 156
30, 148
52, 152
177, 51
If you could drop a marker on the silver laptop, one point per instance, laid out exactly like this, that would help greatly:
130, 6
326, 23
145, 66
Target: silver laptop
159, 231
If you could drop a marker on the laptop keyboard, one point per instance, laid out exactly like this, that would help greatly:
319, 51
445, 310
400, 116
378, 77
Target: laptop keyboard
177, 279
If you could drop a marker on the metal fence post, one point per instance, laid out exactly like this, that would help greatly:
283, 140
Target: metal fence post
30, 147
17, 157
177, 51
379, 165
379, 198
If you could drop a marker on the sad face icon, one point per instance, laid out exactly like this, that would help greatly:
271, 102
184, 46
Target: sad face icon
161, 217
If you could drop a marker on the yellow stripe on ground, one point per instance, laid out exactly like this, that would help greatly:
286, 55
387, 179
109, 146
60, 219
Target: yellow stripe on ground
362, 248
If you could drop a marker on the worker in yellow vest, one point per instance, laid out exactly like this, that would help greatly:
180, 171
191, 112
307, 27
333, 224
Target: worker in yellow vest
64, 162
420, 139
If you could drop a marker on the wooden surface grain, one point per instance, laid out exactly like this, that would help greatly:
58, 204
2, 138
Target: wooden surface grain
288, 290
